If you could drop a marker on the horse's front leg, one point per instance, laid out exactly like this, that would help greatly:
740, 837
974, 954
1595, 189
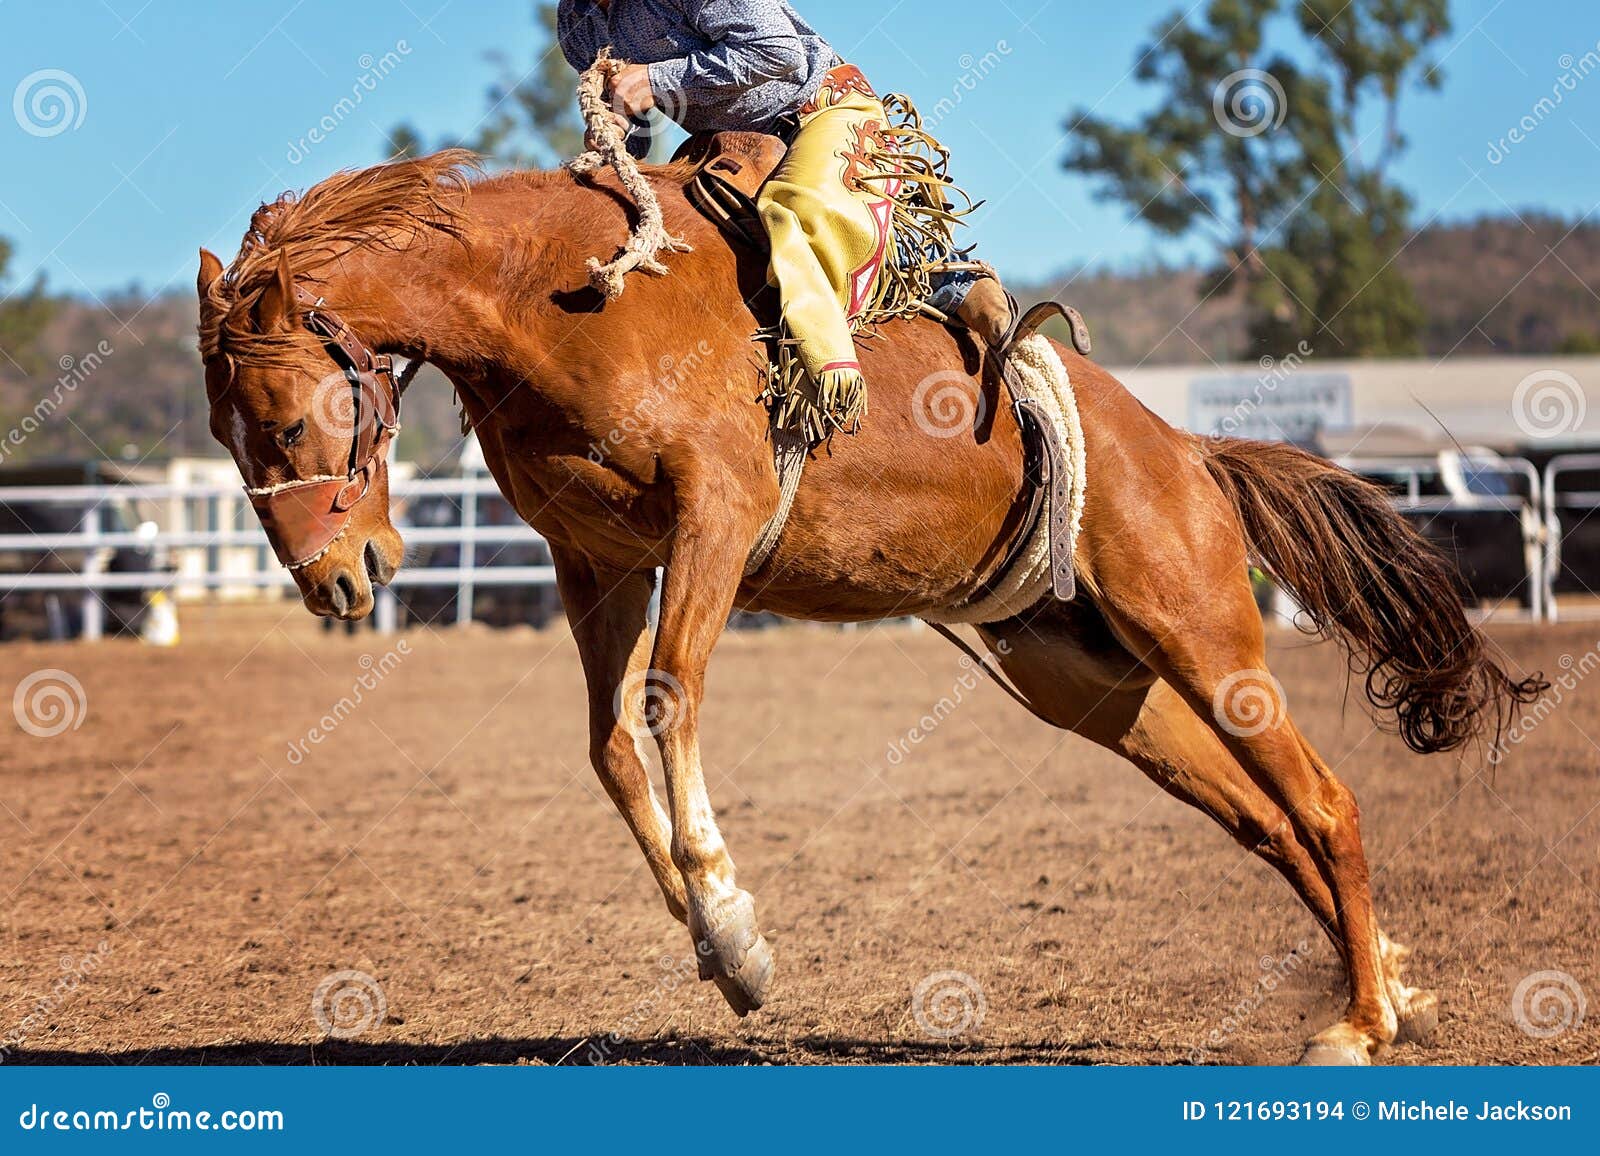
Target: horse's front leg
709, 548
609, 614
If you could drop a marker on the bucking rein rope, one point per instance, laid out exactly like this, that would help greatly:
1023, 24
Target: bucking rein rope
608, 149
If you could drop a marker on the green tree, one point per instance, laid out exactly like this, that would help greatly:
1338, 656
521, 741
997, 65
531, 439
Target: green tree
1274, 158
24, 313
533, 119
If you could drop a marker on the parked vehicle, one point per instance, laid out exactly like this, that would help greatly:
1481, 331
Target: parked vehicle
58, 614
500, 606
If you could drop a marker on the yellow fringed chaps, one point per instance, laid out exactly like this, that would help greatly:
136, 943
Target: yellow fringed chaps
860, 216
831, 232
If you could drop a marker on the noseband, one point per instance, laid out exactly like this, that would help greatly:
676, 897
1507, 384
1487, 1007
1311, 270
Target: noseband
303, 518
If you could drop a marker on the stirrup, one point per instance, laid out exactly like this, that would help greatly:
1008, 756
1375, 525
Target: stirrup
1009, 338
1029, 323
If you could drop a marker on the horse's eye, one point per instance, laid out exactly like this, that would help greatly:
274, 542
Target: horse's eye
292, 434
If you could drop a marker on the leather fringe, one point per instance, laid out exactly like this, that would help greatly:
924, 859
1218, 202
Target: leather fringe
927, 207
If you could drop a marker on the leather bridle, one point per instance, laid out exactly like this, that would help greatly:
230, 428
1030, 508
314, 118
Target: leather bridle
303, 518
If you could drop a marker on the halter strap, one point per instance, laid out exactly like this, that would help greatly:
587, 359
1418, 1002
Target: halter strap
304, 517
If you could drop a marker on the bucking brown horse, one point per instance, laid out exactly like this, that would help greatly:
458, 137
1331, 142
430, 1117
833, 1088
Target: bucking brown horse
631, 434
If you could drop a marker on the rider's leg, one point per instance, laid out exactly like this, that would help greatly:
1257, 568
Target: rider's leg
829, 231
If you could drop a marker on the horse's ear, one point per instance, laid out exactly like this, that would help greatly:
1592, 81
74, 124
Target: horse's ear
210, 270
276, 307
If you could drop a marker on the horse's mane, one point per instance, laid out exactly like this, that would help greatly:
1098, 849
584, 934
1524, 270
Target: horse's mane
385, 205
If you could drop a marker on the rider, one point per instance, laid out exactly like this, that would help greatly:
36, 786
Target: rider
755, 65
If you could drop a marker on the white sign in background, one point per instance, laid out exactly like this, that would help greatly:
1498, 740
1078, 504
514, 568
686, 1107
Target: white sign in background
1294, 408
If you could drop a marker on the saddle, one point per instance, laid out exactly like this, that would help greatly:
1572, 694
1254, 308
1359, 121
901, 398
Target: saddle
730, 168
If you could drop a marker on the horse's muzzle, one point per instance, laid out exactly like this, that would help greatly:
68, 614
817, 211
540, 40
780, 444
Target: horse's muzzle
302, 519
342, 594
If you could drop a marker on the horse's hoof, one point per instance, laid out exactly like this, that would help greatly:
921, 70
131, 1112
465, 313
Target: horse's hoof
724, 933
1333, 1055
1421, 1018
735, 955
746, 989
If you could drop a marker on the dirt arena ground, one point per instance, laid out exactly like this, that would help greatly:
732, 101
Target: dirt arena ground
177, 885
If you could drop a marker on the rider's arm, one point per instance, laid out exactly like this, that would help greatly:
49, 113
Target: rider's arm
580, 47
751, 41
576, 38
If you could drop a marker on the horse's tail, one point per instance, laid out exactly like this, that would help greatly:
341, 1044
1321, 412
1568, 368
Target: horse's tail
1365, 577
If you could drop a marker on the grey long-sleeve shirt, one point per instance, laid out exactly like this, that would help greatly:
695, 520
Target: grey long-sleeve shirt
714, 65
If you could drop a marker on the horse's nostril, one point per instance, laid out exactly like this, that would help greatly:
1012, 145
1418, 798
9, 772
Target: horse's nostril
344, 592
378, 568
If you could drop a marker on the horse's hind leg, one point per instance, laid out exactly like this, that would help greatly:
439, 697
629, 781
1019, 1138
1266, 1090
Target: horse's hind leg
1416, 1008
609, 617
1078, 677
1082, 680
1182, 754
1214, 656
1109, 698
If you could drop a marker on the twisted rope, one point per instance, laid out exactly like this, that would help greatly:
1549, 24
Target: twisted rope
608, 149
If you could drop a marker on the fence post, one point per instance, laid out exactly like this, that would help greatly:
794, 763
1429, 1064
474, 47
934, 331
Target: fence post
93, 564
469, 546
385, 612
1531, 520
1552, 537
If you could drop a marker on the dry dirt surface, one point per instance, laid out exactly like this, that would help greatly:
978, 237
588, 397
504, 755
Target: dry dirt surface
440, 879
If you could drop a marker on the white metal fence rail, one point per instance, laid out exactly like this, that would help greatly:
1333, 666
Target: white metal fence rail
92, 580
1528, 509
1538, 514
1555, 501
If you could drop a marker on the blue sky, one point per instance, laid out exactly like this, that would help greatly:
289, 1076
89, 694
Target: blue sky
193, 111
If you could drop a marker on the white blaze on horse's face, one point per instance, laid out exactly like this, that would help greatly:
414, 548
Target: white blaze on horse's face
238, 444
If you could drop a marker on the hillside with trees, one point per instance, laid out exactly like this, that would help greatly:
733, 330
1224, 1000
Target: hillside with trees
1522, 285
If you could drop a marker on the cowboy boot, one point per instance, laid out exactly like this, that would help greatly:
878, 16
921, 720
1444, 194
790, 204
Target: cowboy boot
990, 313
994, 316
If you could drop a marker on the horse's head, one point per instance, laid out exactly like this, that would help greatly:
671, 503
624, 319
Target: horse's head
307, 411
